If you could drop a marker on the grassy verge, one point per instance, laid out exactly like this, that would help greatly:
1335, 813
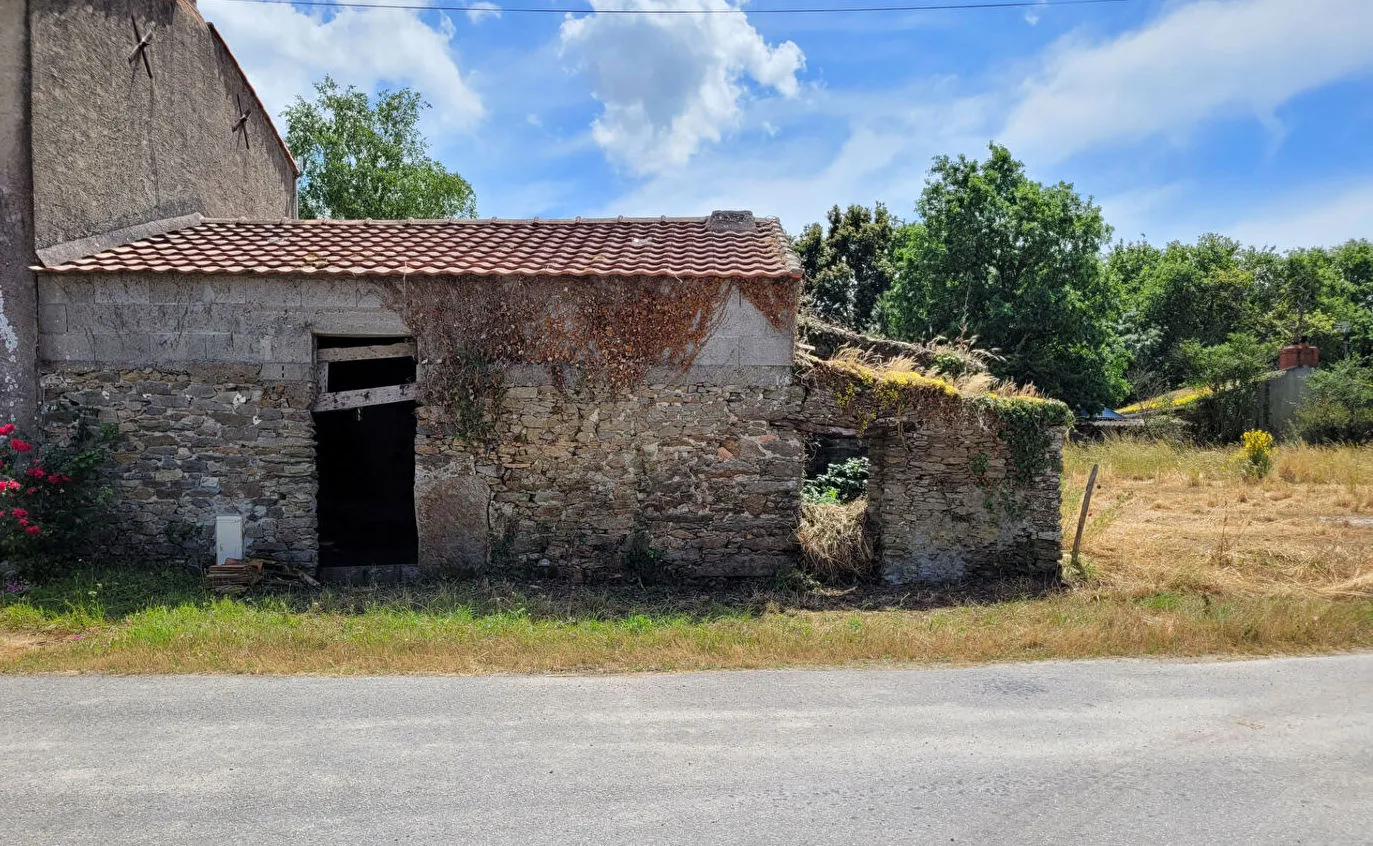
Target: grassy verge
1183, 558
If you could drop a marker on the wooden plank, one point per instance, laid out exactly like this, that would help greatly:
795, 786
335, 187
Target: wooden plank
365, 353
340, 400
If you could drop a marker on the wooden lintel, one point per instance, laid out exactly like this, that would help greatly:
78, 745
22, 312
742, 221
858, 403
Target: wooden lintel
340, 400
401, 350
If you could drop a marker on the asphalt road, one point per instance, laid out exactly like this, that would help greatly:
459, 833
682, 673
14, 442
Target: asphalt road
1276, 751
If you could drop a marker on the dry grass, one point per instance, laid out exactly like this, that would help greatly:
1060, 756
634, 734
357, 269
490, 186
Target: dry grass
835, 546
906, 370
1179, 519
1183, 558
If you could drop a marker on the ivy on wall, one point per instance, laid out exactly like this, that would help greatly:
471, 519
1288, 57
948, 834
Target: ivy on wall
598, 334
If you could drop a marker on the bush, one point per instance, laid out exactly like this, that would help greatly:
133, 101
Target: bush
52, 501
1339, 405
840, 483
1257, 454
1229, 374
835, 545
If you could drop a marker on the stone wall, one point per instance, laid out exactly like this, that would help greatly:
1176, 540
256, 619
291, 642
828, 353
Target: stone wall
194, 443
938, 495
703, 469
940, 522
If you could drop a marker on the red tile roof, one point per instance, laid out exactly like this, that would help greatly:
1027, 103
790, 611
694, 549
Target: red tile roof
730, 244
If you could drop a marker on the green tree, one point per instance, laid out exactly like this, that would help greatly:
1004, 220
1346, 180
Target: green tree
1231, 372
848, 264
1184, 292
364, 160
1017, 264
1339, 404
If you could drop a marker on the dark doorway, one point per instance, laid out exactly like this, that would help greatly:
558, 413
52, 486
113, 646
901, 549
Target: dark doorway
366, 464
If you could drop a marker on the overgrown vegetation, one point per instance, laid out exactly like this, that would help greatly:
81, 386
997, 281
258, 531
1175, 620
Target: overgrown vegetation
842, 482
836, 545
1339, 406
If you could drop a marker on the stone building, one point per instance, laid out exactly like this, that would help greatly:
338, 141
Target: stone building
274, 370
103, 141
573, 398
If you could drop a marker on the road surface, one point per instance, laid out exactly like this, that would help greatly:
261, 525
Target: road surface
1273, 751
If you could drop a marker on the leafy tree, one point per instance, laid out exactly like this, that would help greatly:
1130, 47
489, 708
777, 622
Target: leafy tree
364, 160
1181, 293
1017, 264
1230, 372
848, 264
1353, 264
1339, 404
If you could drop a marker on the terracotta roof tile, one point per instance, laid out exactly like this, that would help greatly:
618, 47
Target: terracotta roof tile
724, 245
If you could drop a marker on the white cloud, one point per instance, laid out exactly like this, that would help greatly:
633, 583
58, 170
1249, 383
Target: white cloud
480, 11
670, 83
1192, 64
1329, 216
286, 51
1187, 67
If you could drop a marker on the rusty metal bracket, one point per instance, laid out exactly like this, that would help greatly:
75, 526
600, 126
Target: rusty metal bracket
140, 50
241, 125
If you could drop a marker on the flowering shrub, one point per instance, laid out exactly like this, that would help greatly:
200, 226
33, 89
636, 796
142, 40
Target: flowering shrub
48, 499
1257, 454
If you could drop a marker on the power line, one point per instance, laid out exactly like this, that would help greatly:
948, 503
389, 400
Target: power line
1006, 4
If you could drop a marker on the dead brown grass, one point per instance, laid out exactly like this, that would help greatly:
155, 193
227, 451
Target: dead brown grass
1181, 519
835, 545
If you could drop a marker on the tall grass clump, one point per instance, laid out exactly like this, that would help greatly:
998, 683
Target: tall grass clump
835, 543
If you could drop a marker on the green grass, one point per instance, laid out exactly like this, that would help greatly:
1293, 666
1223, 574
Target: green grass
129, 622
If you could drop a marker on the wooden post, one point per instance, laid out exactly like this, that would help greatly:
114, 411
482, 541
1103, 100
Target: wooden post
1082, 515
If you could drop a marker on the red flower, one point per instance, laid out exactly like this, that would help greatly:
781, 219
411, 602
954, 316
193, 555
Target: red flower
58, 478
36, 473
31, 490
19, 512
6, 429
13, 485
23, 521
21, 446
33, 530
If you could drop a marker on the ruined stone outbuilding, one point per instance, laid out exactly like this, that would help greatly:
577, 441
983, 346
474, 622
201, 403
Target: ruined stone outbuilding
580, 398
275, 370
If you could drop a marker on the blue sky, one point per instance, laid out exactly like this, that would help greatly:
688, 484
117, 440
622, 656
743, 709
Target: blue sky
1249, 117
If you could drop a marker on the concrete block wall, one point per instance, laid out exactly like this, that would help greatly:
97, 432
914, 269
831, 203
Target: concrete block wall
155, 320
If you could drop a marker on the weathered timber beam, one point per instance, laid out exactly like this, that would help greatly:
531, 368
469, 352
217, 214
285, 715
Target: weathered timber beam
340, 400
365, 353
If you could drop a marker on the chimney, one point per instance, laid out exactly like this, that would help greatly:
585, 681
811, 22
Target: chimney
1298, 355
730, 221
